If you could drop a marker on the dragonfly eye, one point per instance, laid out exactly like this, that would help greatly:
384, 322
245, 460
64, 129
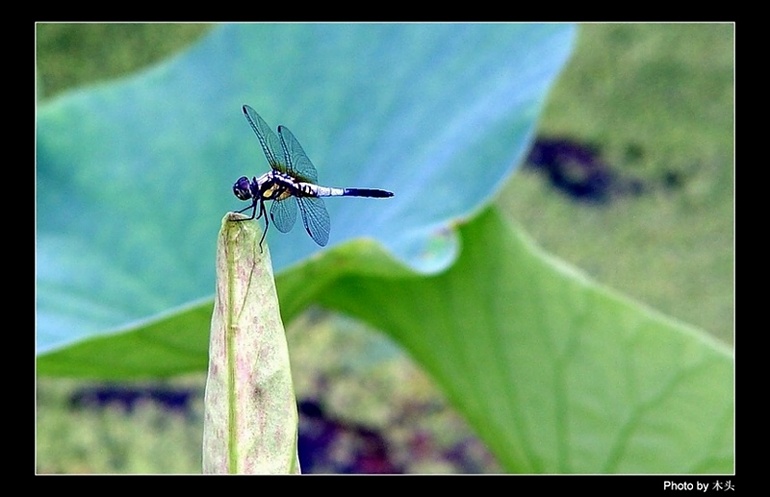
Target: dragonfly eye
241, 188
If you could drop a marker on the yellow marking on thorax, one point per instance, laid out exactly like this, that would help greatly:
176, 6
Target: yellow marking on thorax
276, 192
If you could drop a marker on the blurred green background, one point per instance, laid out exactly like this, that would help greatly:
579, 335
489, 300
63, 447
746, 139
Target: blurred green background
642, 118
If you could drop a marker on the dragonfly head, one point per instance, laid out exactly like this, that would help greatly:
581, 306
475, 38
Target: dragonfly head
241, 188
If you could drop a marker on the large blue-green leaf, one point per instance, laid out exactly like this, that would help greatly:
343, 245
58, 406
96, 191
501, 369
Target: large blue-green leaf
556, 373
133, 177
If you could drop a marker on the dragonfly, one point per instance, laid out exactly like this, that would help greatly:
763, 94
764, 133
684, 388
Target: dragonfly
291, 183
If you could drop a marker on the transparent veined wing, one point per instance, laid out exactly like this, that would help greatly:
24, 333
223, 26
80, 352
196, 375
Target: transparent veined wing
316, 218
271, 144
284, 214
298, 162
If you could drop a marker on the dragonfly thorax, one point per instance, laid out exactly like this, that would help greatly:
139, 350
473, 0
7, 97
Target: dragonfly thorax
276, 185
273, 185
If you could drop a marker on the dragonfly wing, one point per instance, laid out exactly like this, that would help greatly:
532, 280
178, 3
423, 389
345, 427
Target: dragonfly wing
284, 213
316, 218
298, 162
271, 144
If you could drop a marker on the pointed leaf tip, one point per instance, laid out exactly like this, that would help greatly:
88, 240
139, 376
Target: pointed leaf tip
250, 420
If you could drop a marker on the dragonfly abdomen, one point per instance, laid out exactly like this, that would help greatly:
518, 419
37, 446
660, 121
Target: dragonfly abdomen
330, 191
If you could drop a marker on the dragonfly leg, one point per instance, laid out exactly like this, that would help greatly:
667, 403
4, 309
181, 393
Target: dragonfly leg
267, 222
253, 206
254, 215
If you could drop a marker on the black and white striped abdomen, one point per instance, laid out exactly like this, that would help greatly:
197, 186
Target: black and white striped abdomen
330, 191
